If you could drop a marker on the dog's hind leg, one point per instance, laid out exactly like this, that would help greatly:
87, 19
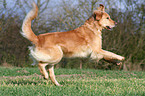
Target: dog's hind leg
52, 75
43, 70
55, 54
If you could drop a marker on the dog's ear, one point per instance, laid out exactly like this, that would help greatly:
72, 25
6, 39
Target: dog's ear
101, 8
99, 12
97, 15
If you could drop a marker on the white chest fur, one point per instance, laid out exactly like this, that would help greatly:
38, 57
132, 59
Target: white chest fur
82, 52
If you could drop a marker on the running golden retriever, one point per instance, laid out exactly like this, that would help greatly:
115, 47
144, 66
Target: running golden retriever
83, 41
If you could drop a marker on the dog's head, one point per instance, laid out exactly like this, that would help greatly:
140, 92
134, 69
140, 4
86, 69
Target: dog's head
101, 18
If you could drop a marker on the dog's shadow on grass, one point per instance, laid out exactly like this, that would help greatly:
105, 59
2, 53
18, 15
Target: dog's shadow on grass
36, 79
27, 80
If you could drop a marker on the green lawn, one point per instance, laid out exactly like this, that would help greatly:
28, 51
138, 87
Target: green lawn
86, 82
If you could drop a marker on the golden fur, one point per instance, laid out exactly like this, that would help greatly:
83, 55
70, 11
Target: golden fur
83, 41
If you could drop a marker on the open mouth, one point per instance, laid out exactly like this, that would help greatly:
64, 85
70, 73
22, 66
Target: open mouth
108, 27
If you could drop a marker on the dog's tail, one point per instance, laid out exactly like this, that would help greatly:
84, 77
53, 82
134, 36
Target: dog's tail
26, 27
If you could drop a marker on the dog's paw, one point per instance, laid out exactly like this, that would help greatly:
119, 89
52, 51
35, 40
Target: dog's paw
121, 58
45, 78
59, 85
119, 63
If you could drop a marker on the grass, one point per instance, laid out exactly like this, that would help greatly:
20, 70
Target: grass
86, 82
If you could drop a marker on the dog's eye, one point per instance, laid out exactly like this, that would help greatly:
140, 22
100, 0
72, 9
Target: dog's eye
107, 18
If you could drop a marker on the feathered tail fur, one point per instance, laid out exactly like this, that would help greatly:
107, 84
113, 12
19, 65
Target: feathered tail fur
26, 27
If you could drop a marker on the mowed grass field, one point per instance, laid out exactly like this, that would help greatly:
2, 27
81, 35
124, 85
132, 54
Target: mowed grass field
86, 82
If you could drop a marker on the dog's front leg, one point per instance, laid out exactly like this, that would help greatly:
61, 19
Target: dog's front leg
111, 56
107, 56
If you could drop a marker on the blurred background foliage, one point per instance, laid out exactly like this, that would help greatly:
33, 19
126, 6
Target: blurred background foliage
126, 39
